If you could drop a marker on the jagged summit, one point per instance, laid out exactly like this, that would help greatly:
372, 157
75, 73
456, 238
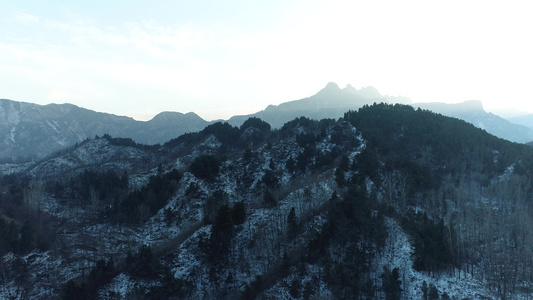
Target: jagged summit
350, 89
330, 102
332, 85
330, 89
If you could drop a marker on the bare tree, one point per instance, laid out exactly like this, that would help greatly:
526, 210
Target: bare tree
33, 197
402, 179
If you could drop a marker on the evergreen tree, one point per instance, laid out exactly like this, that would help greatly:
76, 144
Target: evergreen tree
424, 290
238, 213
221, 234
292, 223
433, 293
269, 199
26, 237
391, 284
339, 177
205, 167
294, 289
308, 291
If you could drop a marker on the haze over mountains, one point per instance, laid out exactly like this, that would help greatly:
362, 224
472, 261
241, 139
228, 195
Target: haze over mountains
473, 112
34, 131
330, 102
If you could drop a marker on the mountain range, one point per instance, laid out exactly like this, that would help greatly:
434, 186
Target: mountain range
33, 131
30, 131
473, 112
386, 202
330, 102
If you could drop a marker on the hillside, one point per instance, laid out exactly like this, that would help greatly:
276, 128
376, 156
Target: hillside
30, 131
387, 202
473, 112
525, 120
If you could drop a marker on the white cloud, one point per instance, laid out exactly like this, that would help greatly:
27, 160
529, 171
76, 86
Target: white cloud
26, 18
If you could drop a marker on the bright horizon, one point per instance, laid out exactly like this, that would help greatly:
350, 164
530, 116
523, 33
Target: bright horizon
220, 59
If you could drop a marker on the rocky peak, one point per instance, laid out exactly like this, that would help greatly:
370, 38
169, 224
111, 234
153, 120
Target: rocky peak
331, 89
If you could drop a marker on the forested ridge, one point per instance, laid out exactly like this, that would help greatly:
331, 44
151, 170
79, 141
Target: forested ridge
313, 209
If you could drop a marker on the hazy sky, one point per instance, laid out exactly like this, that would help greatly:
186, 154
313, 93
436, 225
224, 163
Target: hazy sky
221, 58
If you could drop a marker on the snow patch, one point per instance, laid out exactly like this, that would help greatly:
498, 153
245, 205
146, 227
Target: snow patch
54, 128
398, 254
118, 288
12, 134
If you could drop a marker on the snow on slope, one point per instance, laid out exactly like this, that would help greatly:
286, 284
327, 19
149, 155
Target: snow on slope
397, 254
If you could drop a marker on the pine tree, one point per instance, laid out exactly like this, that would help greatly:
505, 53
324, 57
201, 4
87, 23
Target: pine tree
269, 199
391, 284
424, 290
292, 223
433, 293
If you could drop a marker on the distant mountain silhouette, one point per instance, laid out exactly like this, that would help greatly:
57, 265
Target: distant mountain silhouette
166, 126
32, 131
329, 102
473, 112
525, 120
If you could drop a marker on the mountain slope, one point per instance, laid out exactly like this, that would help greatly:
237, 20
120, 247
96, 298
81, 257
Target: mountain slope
374, 204
30, 131
473, 112
525, 120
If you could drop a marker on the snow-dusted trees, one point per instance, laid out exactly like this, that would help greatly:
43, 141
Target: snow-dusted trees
396, 188
509, 235
139, 205
495, 233
33, 197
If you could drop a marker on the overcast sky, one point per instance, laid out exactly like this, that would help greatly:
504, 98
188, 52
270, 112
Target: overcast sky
221, 58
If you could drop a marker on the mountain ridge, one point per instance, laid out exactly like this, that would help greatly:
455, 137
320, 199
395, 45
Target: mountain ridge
473, 112
34, 131
329, 102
